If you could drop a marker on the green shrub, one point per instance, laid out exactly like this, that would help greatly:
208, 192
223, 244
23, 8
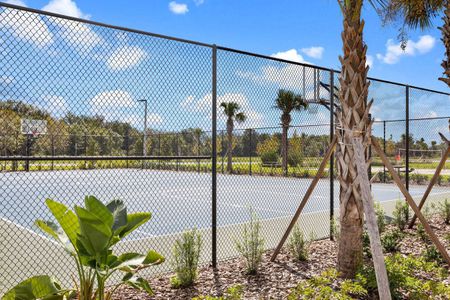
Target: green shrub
186, 253
391, 240
381, 217
235, 292
329, 286
366, 244
298, 245
431, 254
422, 233
269, 157
401, 214
268, 150
88, 235
252, 246
419, 178
444, 210
295, 155
406, 276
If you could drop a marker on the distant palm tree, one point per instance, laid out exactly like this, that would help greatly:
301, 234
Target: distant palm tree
420, 14
287, 102
231, 111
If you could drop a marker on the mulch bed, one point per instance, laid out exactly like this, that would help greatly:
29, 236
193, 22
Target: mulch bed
274, 280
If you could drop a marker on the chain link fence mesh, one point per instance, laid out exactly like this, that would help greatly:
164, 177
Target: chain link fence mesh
90, 109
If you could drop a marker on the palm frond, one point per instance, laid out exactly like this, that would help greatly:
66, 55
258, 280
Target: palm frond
240, 117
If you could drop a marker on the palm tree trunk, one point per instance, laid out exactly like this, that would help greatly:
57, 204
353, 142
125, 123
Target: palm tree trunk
446, 40
353, 120
230, 146
284, 148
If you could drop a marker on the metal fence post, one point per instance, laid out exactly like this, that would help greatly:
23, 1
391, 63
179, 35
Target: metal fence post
178, 152
214, 158
331, 169
384, 149
53, 152
407, 138
250, 170
222, 152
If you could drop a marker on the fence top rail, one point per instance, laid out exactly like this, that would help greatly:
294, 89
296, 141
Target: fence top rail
33, 10
93, 158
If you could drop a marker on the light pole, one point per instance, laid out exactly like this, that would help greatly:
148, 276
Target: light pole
144, 152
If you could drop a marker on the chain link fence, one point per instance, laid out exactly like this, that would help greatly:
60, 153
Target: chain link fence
199, 135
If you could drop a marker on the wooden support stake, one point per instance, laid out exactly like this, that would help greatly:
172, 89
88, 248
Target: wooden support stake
431, 184
306, 197
410, 201
371, 221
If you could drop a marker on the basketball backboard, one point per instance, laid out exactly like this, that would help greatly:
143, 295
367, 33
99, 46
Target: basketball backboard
33, 127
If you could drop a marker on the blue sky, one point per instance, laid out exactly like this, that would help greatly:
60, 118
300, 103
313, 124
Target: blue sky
266, 27
304, 31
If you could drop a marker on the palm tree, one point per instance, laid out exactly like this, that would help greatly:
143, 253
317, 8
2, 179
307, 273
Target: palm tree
287, 101
353, 118
419, 14
231, 111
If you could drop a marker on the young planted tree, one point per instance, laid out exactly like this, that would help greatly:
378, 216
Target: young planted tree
419, 14
287, 101
353, 119
232, 111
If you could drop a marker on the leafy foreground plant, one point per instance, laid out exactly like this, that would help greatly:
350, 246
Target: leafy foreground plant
410, 278
252, 246
329, 286
391, 240
88, 235
186, 253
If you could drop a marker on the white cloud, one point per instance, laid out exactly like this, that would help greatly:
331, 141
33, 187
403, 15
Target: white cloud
178, 8
203, 104
65, 7
291, 55
78, 35
16, 2
125, 57
154, 118
369, 61
314, 52
199, 2
34, 30
56, 105
103, 102
289, 76
394, 50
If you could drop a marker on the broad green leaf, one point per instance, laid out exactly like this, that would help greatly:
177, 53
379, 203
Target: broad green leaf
119, 212
130, 261
95, 234
56, 232
134, 221
37, 287
66, 219
97, 208
153, 258
138, 283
